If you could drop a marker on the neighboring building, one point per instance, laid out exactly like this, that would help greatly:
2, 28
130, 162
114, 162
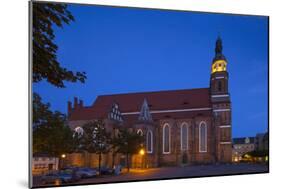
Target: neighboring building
42, 163
258, 146
241, 146
190, 126
261, 142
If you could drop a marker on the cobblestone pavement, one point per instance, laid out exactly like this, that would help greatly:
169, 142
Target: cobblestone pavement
177, 172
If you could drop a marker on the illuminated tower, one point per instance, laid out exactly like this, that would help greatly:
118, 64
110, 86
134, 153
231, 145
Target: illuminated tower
221, 105
219, 74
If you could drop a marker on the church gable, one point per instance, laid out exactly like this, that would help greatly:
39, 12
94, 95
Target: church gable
115, 113
145, 113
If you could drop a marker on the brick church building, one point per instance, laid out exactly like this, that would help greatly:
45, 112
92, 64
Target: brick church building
190, 126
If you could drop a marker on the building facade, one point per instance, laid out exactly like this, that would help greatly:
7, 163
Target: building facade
42, 163
191, 126
261, 142
258, 145
241, 146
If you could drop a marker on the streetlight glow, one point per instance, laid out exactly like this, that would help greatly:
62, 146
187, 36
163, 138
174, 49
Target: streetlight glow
63, 155
141, 152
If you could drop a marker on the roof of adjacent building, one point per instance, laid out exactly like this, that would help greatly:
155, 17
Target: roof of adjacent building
242, 140
43, 154
157, 101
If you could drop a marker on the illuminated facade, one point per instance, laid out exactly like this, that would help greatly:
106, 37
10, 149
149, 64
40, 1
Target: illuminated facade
180, 127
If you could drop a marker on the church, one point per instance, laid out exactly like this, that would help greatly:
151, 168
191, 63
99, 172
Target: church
180, 127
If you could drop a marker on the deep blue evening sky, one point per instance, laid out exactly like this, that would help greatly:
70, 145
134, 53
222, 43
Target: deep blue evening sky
133, 50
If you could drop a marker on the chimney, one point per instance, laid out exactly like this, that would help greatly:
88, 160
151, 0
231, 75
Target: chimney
81, 103
69, 107
75, 102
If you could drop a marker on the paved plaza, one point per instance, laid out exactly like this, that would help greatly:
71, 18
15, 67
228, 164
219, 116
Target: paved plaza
175, 172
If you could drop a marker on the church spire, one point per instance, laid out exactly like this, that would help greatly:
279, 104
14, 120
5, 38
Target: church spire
218, 46
218, 50
219, 61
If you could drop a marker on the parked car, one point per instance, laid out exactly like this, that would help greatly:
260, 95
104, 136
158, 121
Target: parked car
106, 171
86, 172
73, 172
50, 178
66, 177
117, 170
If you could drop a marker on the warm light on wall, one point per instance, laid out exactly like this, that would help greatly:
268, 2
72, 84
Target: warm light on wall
219, 66
141, 152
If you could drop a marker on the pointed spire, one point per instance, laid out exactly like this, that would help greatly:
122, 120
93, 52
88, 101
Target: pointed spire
145, 113
218, 50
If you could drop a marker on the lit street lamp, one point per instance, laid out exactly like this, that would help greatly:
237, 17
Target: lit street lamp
62, 160
141, 152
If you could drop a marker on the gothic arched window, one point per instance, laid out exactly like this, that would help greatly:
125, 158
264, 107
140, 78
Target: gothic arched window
166, 138
139, 132
184, 136
202, 137
149, 142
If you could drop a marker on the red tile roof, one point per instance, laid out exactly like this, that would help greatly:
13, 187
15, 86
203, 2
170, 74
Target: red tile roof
131, 102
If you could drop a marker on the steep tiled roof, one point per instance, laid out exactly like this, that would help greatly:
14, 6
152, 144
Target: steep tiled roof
157, 101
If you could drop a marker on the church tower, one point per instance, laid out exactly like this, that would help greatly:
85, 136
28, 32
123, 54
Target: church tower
221, 105
219, 74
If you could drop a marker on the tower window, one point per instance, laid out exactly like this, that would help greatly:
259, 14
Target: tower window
219, 86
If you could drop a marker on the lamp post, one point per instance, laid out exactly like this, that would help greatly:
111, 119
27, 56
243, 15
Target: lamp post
142, 153
62, 160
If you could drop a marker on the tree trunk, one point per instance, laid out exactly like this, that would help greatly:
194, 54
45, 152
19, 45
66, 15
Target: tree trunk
113, 159
99, 162
128, 163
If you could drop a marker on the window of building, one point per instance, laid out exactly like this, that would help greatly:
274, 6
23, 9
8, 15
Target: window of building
202, 137
219, 85
149, 142
184, 136
166, 138
139, 132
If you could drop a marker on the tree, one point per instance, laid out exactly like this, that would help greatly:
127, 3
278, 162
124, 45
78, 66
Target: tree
45, 63
50, 134
96, 139
41, 112
128, 143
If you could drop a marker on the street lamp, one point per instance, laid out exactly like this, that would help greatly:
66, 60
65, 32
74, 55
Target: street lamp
141, 152
62, 160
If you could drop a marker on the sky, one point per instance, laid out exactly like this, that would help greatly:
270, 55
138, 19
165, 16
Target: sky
125, 50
